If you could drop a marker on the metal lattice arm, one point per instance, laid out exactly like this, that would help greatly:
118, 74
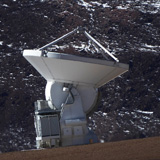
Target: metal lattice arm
59, 39
88, 36
98, 44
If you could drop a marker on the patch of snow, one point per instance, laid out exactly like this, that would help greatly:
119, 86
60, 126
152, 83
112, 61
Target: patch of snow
1, 42
10, 45
105, 5
126, 131
117, 123
5, 5
150, 46
121, 7
104, 114
90, 6
101, 141
144, 112
82, 46
91, 15
85, 4
31, 75
96, 3
24, 79
155, 4
146, 6
90, 47
145, 117
121, 114
129, 1
59, 47
147, 50
154, 12
141, 128
8, 54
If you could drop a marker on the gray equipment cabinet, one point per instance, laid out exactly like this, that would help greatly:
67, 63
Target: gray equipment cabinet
46, 125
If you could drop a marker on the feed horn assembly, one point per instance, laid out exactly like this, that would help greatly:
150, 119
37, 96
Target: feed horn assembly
71, 92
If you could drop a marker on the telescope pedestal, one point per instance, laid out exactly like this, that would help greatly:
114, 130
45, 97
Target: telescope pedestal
63, 124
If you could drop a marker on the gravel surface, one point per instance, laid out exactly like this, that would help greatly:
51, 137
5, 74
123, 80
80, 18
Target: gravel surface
141, 149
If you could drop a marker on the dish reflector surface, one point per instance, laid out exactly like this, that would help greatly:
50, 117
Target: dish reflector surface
68, 68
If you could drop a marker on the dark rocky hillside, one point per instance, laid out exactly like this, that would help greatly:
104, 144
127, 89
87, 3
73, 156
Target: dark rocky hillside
130, 105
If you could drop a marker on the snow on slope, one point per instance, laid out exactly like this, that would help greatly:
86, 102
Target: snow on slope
152, 6
130, 30
124, 123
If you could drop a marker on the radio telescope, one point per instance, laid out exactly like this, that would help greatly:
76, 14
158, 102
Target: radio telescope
71, 93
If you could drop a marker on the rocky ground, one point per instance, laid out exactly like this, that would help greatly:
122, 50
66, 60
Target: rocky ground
130, 105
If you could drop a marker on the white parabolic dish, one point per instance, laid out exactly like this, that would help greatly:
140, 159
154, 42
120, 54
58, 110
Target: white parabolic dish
73, 69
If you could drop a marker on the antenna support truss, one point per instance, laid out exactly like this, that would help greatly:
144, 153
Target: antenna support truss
81, 29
